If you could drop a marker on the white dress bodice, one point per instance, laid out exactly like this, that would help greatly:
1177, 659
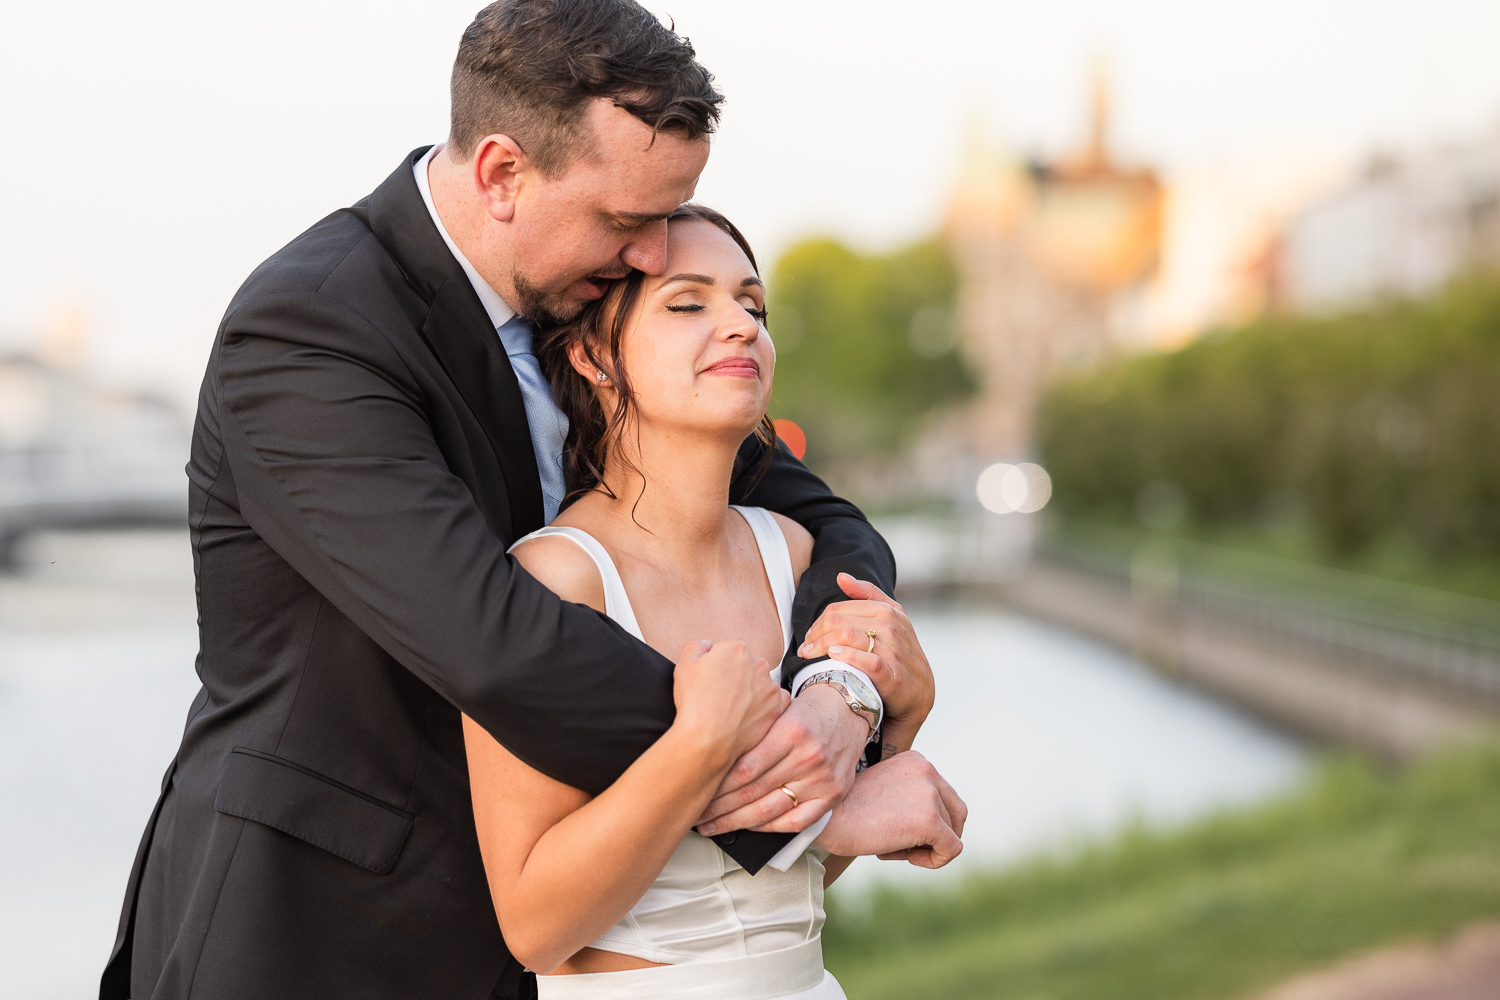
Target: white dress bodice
704, 907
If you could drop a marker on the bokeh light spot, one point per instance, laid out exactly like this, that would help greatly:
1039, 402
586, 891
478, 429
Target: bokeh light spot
792, 436
1010, 489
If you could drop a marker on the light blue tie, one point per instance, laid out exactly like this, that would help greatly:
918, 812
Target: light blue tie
549, 426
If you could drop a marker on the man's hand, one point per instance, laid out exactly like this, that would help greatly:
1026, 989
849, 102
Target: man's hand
897, 664
901, 810
811, 750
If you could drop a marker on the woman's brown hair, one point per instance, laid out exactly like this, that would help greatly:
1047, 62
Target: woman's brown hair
598, 330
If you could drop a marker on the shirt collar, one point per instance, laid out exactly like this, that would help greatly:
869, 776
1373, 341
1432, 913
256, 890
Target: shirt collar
494, 305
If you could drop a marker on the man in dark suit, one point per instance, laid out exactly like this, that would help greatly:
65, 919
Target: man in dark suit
366, 448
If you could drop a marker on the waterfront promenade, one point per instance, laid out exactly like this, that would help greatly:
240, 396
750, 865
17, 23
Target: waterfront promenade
1346, 660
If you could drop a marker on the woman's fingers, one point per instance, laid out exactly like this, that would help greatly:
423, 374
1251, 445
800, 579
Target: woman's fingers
854, 618
863, 590
870, 663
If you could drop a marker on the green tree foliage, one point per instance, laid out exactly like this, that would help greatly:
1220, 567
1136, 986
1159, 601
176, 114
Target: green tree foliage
866, 344
1372, 424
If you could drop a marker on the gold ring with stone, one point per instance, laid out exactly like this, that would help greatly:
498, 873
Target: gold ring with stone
791, 795
873, 635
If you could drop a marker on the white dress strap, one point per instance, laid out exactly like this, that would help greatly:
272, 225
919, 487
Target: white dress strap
777, 557
616, 602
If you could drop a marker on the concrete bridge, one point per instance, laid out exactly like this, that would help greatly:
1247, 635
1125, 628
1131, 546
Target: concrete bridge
75, 454
81, 507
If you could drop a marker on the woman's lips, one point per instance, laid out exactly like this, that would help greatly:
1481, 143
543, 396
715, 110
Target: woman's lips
740, 367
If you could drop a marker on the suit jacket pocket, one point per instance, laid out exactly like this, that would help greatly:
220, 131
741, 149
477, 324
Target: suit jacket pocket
286, 796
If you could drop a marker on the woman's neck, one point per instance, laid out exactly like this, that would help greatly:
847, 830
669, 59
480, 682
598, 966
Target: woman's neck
672, 506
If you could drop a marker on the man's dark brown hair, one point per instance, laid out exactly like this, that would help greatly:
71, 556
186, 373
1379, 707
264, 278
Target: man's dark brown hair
529, 68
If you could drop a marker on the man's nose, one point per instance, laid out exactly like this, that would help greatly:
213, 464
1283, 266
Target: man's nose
648, 251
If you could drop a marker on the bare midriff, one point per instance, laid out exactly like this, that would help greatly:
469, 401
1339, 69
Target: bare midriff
595, 960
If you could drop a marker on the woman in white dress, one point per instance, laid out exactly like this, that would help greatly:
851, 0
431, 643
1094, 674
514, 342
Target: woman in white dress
616, 895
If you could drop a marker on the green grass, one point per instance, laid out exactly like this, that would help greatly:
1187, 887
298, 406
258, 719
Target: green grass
1356, 858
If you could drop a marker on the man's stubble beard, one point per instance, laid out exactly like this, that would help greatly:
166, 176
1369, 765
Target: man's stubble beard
543, 308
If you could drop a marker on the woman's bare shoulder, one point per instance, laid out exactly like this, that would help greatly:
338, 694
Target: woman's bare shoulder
799, 542
563, 568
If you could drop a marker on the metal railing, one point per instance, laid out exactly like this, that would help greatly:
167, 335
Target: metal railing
1366, 623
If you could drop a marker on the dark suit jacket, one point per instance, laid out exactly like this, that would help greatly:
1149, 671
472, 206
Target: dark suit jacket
360, 464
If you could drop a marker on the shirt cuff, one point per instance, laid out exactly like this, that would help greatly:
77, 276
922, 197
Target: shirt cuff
798, 845
800, 681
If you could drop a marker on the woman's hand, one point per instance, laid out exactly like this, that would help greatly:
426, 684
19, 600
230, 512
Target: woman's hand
725, 696
896, 664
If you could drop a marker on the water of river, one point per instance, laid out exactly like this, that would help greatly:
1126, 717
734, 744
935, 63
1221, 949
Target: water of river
1048, 736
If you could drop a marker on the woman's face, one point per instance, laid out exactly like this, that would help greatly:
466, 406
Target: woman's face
695, 344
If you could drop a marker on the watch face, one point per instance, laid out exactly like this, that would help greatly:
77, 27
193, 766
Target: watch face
859, 689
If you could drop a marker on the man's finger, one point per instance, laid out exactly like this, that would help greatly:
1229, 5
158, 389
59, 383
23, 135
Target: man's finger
738, 807
956, 808
760, 759
796, 820
773, 812
946, 847
749, 794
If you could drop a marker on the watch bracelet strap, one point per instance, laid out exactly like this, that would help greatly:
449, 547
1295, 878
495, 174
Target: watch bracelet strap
826, 677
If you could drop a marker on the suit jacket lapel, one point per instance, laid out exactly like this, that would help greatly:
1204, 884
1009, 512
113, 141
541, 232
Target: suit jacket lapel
459, 332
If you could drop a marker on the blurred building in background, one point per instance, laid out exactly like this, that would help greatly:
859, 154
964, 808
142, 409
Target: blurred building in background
1052, 258
1402, 227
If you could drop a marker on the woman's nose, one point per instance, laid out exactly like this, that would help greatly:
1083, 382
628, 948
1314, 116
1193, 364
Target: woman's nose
740, 325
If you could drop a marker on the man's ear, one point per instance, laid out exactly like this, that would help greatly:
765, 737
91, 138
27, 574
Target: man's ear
499, 165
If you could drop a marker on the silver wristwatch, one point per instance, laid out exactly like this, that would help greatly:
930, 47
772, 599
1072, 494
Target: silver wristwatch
861, 697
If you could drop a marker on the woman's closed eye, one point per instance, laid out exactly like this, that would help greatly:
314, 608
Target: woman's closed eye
760, 314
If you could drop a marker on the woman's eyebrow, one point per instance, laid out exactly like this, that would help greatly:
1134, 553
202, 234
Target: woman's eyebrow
708, 279
696, 279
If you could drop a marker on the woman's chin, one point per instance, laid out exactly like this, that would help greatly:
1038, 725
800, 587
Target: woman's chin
729, 433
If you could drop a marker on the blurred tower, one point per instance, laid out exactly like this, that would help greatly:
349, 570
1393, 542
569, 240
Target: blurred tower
1052, 259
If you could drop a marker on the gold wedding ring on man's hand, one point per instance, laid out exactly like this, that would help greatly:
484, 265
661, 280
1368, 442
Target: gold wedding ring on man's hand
873, 636
791, 795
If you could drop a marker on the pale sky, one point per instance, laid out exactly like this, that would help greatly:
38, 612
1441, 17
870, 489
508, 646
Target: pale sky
159, 150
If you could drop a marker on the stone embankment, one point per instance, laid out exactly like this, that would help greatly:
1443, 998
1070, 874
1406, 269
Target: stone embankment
1386, 682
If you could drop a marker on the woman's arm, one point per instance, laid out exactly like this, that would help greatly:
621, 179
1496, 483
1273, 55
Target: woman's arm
562, 867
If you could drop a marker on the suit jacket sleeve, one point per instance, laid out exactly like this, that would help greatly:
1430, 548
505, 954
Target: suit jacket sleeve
336, 466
